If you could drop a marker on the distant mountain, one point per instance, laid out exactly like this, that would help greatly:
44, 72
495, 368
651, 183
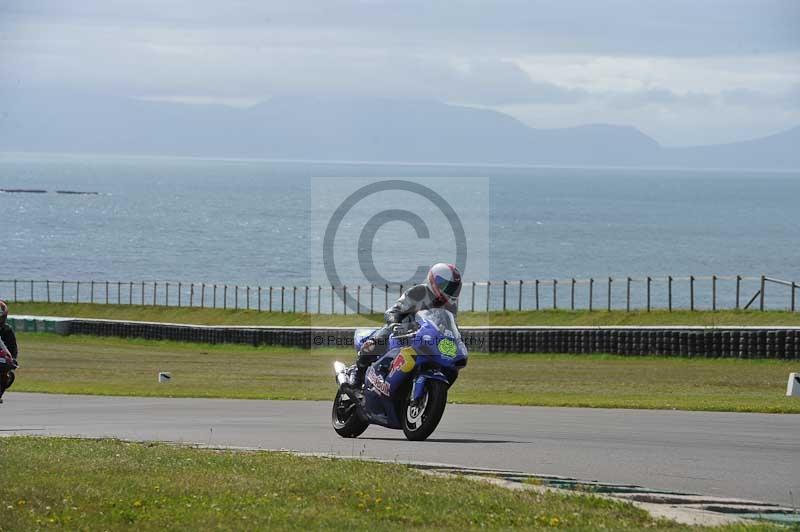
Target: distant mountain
337, 128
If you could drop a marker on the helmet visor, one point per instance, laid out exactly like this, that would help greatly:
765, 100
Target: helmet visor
447, 287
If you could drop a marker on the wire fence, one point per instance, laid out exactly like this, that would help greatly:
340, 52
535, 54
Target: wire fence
607, 293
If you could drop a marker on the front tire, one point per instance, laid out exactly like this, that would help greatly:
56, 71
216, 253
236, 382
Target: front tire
345, 418
420, 420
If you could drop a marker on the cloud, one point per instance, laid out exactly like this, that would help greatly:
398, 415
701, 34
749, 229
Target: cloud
656, 96
503, 82
743, 97
623, 61
612, 27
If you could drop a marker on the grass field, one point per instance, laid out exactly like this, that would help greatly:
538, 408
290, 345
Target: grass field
544, 317
112, 366
113, 485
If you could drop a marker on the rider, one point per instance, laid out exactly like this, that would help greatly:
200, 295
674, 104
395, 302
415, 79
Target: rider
440, 290
9, 341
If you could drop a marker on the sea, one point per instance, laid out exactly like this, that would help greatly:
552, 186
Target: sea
260, 223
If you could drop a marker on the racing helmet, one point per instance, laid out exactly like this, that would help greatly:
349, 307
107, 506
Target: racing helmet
445, 281
3, 312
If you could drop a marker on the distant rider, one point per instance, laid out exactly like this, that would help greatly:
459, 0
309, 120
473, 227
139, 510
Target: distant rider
8, 341
440, 290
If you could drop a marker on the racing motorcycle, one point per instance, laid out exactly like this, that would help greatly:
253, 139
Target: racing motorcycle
407, 387
7, 367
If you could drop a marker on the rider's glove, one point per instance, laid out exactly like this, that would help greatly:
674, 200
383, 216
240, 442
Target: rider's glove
368, 346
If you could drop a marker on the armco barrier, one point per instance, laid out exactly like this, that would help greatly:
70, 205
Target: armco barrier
729, 342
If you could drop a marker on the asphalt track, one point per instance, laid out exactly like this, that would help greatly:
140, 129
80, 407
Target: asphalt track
752, 456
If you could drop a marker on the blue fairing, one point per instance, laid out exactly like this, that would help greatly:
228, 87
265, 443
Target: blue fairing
435, 351
360, 336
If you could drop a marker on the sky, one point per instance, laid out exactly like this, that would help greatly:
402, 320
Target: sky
683, 72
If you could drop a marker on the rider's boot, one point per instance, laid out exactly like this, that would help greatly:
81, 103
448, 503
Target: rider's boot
362, 363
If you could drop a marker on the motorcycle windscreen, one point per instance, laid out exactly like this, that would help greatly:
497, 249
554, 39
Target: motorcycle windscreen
442, 319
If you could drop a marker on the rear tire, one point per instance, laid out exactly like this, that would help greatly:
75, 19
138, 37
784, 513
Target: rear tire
345, 418
421, 420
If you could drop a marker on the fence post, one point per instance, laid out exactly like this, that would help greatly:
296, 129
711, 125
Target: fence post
472, 301
270, 299
738, 289
119, 292
306, 301
386, 296
505, 284
488, 284
191, 295
401, 291
591, 293
628, 296
15, 290
649, 281
358, 299
344, 299
713, 293
555, 295
319, 299
214, 296
142, 301
130, 293
91, 292
155, 290
225, 296
371, 298
609, 294
669, 292
259, 298
761, 298
48, 291
294, 299
236, 296
537, 293
62, 291
247, 301
283, 296
167, 295
78, 292
179, 293
333, 296
202, 295
691, 292
31, 290
794, 285
519, 300
572, 295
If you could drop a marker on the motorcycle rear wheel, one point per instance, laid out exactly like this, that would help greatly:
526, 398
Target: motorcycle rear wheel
345, 418
420, 420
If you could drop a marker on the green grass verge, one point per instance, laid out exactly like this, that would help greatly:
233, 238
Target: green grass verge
114, 366
545, 317
113, 485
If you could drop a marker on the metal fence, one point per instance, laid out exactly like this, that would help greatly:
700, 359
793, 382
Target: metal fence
607, 293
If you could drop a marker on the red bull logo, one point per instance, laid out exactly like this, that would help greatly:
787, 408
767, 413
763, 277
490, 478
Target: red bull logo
404, 361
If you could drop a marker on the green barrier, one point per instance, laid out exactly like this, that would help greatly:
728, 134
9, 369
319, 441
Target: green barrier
27, 324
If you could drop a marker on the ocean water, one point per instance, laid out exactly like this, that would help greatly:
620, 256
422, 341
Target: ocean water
253, 222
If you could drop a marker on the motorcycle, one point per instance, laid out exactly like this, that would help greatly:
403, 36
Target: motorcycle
7, 367
407, 387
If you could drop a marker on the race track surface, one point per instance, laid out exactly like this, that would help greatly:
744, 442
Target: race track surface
753, 456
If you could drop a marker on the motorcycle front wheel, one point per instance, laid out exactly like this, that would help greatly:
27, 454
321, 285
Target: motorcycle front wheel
345, 418
422, 418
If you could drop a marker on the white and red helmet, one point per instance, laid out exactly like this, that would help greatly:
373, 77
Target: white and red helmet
445, 281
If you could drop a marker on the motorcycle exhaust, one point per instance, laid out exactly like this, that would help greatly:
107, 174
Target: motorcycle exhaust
340, 370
